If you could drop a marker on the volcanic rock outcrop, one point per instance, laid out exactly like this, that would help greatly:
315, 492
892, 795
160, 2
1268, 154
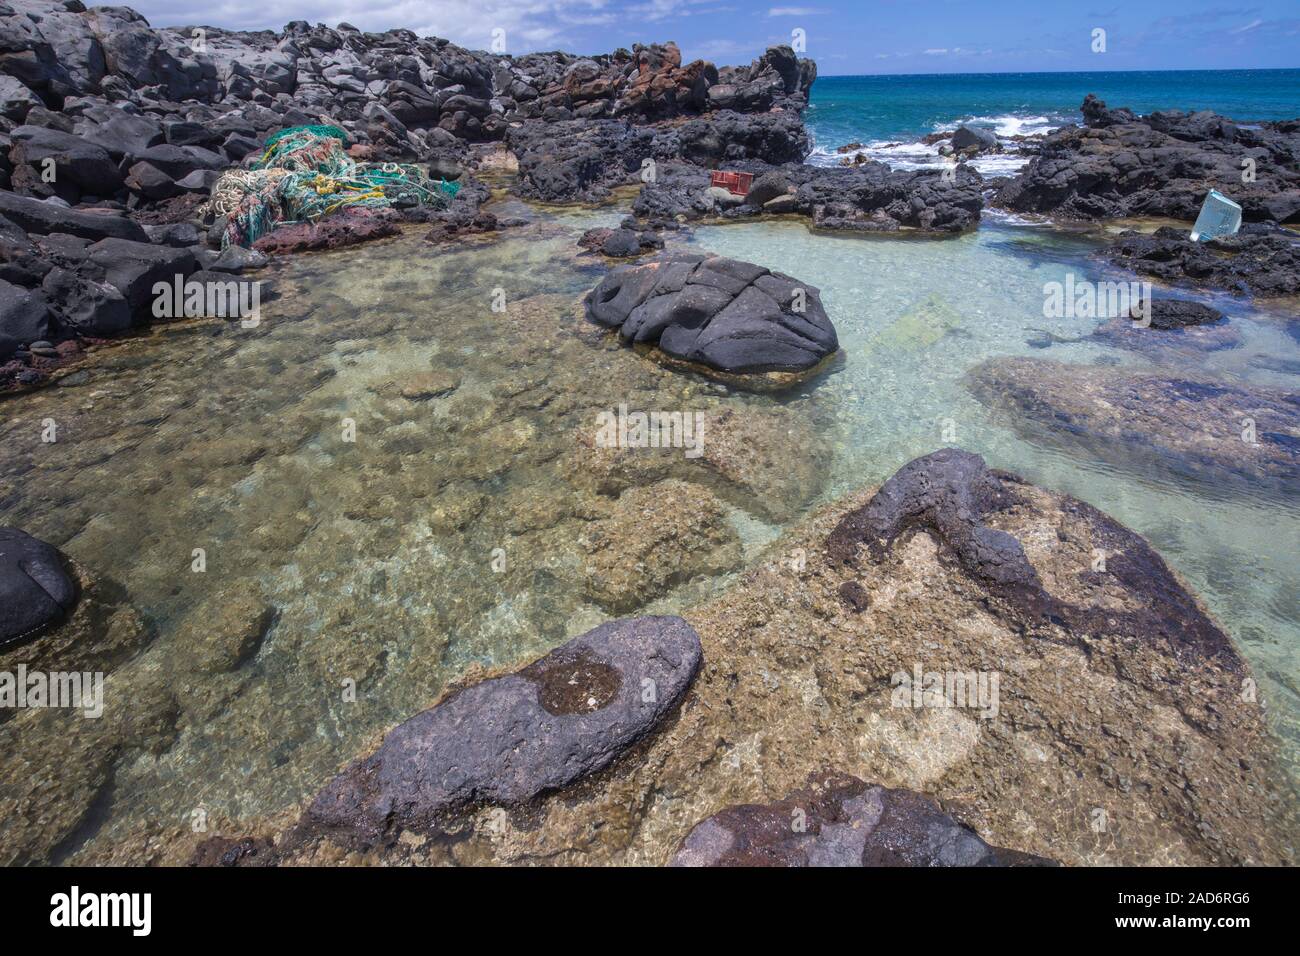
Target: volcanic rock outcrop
866, 198
1120, 165
1256, 261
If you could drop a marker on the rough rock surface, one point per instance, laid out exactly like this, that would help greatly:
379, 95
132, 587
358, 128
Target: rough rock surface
1138, 418
723, 314
838, 820
1178, 326
509, 739
36, 591
1253, 262
654, 539
950, 494
335, 232
1087, 761
866, 198
1162, 164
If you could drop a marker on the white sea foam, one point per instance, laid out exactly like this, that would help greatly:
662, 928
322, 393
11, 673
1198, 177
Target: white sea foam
919, 155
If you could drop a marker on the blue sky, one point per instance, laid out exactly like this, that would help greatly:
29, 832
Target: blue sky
843, 36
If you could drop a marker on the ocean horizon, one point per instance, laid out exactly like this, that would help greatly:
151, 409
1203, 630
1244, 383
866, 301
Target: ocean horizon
893, 107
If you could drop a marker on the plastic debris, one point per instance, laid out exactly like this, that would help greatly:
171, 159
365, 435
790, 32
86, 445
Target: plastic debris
304, 173
735, 183
1219, 216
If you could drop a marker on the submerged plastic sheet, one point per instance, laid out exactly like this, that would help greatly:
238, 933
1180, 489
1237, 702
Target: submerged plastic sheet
1219, 216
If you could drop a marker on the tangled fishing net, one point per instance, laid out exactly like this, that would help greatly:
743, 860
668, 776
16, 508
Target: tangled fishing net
305, 174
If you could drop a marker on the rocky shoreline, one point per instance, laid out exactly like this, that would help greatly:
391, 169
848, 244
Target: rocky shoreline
763, 725
113, 134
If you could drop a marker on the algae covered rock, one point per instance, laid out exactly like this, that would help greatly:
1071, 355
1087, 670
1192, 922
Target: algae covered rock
1189, 424
656, 538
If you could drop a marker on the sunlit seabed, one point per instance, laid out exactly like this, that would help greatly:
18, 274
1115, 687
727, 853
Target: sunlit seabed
208, 436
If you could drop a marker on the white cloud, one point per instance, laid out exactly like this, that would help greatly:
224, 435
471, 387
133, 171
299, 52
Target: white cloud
1248, 27
937, 51
529, 24
794, 12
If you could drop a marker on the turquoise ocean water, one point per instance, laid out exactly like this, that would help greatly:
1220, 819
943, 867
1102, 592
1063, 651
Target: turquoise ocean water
901, 109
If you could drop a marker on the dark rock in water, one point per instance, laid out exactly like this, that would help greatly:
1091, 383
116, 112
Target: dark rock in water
966, 137
726, 315
1181, 314
24, 317
1192, 426
238, 259
36, 592
1177, 324
952, 495
1122, 165
135, 267
839, 820
1252, 263
1273, 363
43, 218
510, 739
621, 244
345, 228
233, 851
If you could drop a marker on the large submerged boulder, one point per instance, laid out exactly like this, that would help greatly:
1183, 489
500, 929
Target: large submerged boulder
838, 820
1188, 424
720, 315
509, 739
36, 591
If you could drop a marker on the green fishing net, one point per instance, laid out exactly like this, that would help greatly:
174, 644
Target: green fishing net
305, 173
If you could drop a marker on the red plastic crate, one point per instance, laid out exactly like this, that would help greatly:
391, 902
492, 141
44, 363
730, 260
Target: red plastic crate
735, 183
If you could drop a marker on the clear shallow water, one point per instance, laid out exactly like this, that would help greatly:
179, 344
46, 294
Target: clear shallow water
376, 556
914, 316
